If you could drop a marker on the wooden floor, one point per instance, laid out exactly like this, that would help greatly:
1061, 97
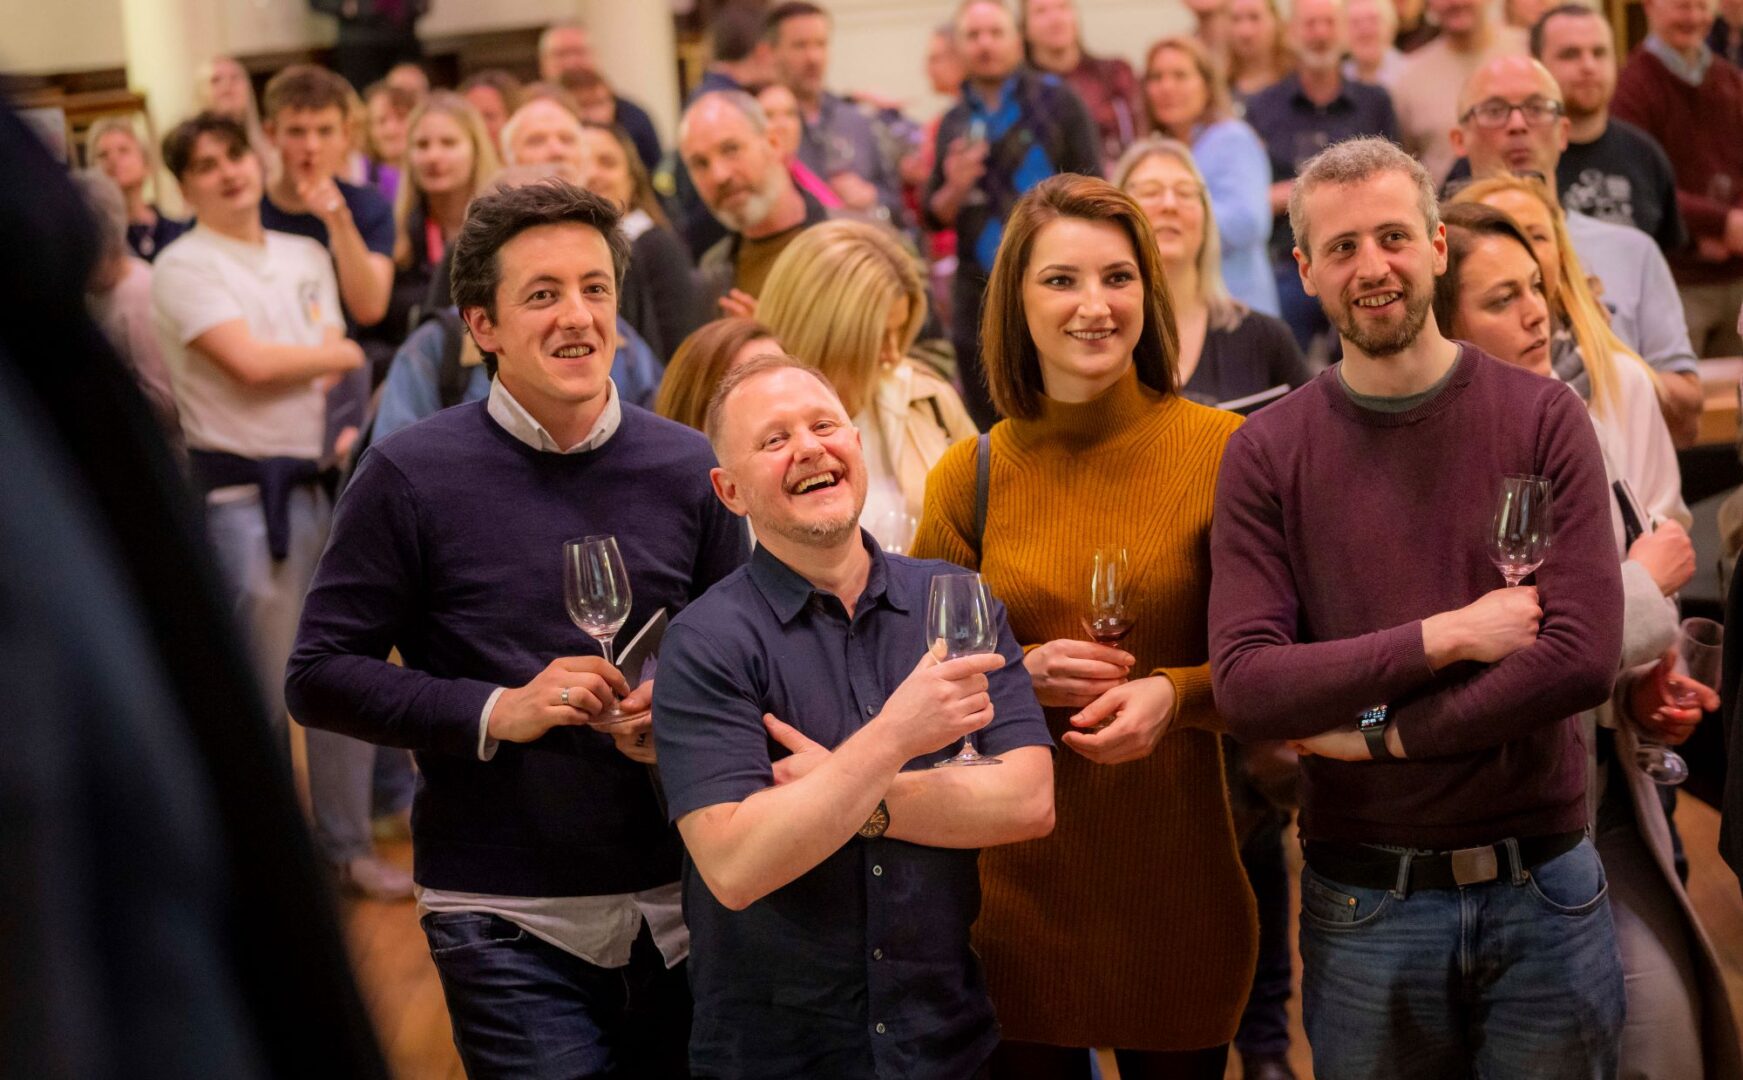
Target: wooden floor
405, 998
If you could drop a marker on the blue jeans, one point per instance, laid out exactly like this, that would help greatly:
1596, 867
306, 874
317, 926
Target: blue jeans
1513, 978
523, 1008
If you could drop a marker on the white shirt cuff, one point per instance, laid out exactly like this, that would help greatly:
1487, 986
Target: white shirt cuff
486, 744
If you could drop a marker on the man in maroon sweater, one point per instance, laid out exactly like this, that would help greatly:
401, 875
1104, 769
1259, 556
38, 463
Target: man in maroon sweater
1453, 919
1691, 101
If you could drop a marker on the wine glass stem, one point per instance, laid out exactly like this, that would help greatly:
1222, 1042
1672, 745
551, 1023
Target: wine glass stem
605, 647
1512, 577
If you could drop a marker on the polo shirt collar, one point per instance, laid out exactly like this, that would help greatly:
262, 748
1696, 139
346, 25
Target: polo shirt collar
787, 592
1297, 94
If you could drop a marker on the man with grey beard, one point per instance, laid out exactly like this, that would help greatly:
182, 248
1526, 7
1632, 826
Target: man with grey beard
724, 141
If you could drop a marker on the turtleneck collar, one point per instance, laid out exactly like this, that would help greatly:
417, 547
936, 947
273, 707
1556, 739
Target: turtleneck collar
1104, 418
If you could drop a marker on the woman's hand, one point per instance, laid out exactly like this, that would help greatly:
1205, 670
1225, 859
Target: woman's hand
1652, 703
1124, 724
1073, 673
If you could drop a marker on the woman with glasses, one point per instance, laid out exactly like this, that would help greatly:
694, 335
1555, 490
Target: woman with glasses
1230, 355
1188, 101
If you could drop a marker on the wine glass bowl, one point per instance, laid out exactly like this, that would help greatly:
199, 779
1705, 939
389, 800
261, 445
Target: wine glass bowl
959, 623
1700, 657
1519, 533
596, 594
1107, 620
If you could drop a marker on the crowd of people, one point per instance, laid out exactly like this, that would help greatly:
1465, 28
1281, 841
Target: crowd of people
1271, 315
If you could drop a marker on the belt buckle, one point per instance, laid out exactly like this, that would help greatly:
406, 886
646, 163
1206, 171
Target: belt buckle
1475, 865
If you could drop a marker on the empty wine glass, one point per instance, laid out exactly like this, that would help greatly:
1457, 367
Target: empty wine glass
596, 594
894, 531
959, 622
1519, 534
1108, 621
1700, 654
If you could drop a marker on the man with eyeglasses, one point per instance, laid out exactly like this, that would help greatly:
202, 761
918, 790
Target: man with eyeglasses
1691, 100
1512, 121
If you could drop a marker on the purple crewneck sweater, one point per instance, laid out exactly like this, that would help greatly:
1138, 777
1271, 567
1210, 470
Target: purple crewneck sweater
1337, 530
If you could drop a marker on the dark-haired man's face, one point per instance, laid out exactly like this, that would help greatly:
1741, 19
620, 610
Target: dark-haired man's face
555, 328
222, 181
801, 51
1580, 52
311, 143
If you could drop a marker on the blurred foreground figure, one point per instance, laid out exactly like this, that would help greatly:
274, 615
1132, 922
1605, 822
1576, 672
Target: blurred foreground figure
158, 877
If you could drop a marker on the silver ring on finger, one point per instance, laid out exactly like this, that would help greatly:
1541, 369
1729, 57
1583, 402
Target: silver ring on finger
564, 697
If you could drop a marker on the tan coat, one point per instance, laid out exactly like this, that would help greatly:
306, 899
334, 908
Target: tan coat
919, 416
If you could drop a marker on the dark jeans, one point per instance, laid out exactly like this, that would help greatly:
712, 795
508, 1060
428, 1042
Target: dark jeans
1516, 977
968, 299
1035, 1061
522, 1007
1265, 1021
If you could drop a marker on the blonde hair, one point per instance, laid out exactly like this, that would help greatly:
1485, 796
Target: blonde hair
1598, 344
1223, 311
828, 300
484, 163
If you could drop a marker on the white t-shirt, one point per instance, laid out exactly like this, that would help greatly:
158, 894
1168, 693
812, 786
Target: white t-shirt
285, 291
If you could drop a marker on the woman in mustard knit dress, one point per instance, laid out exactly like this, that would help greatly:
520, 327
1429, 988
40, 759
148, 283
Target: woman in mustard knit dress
1132, 925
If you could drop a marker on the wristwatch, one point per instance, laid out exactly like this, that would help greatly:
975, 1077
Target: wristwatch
879, 822
1373, 724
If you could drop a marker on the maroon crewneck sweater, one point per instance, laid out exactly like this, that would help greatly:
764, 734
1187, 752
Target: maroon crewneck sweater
1337, 530
1701, 129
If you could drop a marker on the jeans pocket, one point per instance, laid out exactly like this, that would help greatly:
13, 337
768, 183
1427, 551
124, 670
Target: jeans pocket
1335, 905
451, 932
1572, 883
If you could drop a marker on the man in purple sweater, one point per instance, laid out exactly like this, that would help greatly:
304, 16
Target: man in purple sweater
547, 875
1453, 919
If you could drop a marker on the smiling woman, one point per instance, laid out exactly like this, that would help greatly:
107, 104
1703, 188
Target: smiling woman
1098, 449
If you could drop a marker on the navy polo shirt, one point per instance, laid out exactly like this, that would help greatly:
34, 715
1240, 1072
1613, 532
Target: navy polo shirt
862, 967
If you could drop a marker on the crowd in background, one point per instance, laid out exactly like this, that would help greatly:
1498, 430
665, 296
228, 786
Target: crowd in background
320, 302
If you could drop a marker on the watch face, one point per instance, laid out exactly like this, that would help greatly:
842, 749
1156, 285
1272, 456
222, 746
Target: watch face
876, 824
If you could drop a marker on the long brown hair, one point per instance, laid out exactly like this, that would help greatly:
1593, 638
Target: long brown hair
1217, 103
1013, 366
698, 366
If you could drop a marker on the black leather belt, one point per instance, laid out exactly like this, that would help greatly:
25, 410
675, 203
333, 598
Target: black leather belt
1378, 868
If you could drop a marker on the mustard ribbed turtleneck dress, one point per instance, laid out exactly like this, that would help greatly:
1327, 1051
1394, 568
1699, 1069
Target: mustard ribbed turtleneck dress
1132, 925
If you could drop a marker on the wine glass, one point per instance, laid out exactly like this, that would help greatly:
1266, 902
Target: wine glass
959, 622
1107, 621
894, 530
1700, 654
596, 593
1519, 534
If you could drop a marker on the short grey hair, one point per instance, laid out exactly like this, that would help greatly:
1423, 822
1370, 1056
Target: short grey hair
738, 99
1351, 162
512, 127
715, 418
108, 208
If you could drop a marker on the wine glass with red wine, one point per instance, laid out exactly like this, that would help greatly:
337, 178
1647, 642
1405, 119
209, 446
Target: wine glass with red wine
1108, 619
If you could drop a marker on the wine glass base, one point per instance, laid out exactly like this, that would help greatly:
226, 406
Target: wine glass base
1663, 767
962, 760
609, 718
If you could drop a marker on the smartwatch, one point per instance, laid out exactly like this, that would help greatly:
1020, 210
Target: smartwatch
1373, 723
879, 822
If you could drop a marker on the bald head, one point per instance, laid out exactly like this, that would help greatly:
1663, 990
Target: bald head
1511, 119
